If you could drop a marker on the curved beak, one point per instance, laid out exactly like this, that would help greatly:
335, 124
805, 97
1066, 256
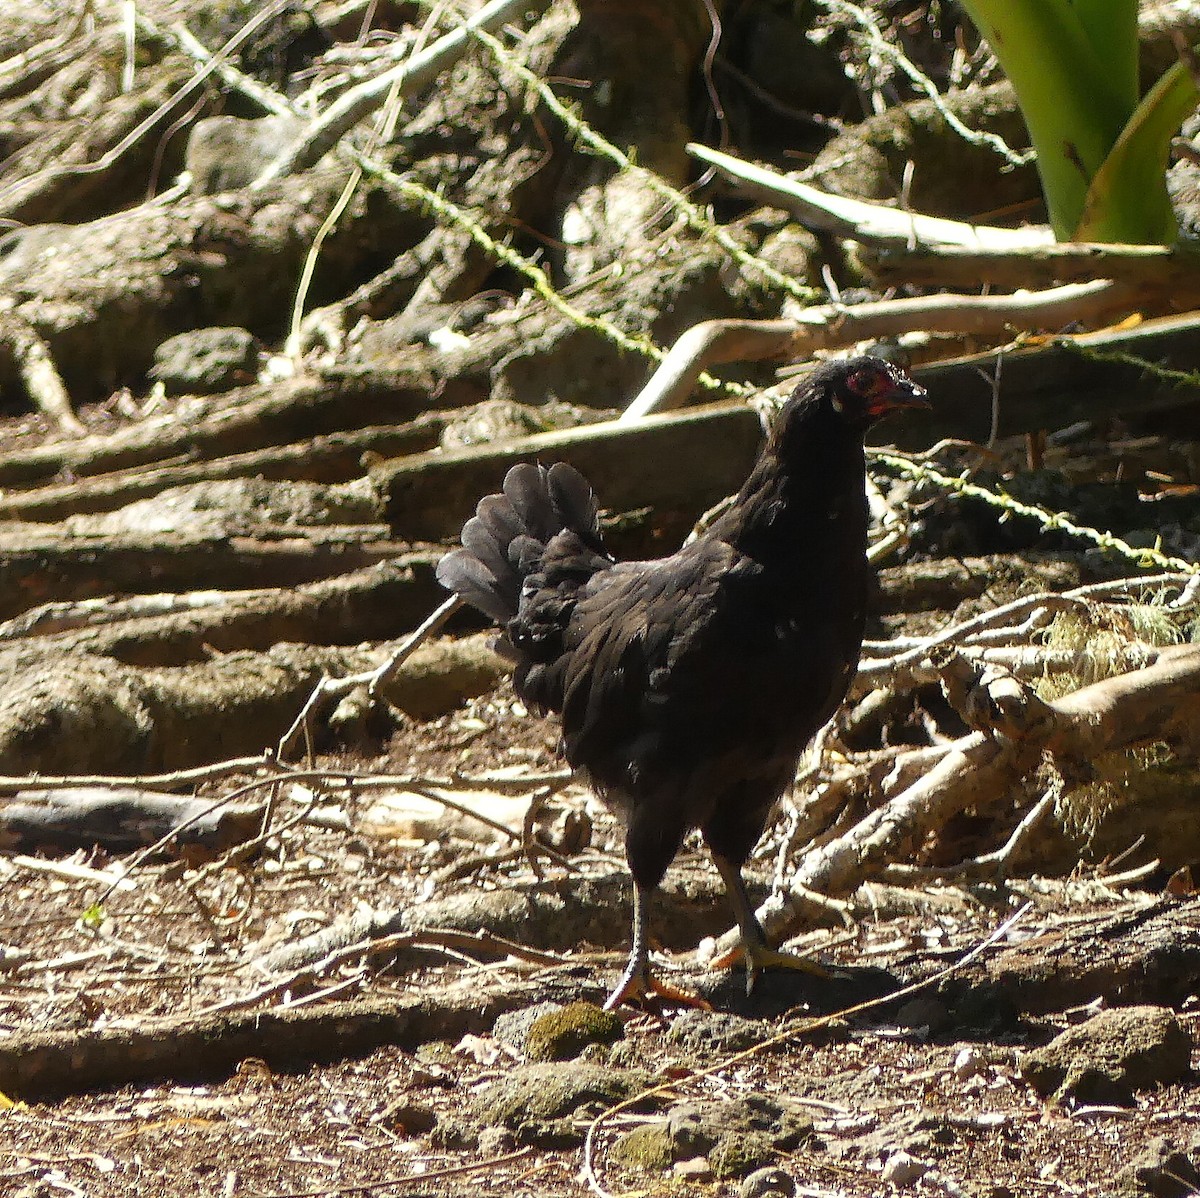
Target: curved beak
903, 393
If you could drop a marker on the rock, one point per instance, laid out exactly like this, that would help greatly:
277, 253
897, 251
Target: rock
225, 153
770, 1182
696, 1169
537, 1102
493, 1141
1162, 1170
715, 1033
512, 1027
647, 1148
902, 1169
1111, 1056
924, 1014
563, 1034
968, 1063
734, 1138
742, 1152
205, 361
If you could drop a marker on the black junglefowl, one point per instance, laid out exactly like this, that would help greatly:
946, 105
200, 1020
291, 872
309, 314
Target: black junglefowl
689, 686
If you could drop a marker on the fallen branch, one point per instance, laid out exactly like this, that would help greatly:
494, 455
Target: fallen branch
35, 364
837, 326
860, 219
1170, 273
1160, 702
119, 819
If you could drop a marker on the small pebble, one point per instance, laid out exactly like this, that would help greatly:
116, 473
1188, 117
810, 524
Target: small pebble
900, 1169
695, 1169
969, 1063
768, 1183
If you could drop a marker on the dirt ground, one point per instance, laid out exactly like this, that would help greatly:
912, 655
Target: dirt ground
206, 506
874, 1089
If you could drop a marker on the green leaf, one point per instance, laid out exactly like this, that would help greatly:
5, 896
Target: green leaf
1075, 102
1128, 199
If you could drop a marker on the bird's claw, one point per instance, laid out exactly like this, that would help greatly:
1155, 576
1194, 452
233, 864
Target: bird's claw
759, 956
643, 989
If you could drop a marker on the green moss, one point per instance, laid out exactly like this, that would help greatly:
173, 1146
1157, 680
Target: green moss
1148, 777
564, 1034
1106, 642
741, 1152
647, 1147
436, 1052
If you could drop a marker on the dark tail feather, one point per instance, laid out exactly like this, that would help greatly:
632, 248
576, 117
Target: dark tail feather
503, 543
575, 505
463, 573
525, 488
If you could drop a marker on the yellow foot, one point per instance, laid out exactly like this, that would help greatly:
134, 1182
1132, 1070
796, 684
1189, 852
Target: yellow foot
759, 956
646, 991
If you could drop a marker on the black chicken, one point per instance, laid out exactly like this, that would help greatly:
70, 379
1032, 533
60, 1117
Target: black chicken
689, 686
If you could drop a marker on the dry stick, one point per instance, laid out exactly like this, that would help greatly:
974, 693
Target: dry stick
1080, 597
11, 783
993, 865
373, 680
807, 1025
370, 1187
35, 364
861, 220
432, 938
834, 326
1107, 715
412, 74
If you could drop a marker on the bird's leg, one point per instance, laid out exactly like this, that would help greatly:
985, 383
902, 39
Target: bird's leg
754, 948
637, 983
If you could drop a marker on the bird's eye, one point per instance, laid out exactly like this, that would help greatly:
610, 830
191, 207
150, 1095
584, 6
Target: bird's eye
864, 382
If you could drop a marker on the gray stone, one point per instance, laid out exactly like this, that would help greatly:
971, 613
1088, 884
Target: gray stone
715, 1032
225, 153
1161, 1170
1111, 1056
512, 1027
205, 361
771, 1182
540, 1103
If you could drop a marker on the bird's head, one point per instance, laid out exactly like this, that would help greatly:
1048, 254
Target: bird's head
865, 389
852, 393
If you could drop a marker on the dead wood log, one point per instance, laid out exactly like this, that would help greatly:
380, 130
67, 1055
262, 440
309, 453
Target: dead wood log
257, 417
92, 715
836, 326
328, 458
834, 211
38, 562
1145, 952
1053, 384
120, 819
1160, 702
710, 451
373, 604
1163, 277
50, 1064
